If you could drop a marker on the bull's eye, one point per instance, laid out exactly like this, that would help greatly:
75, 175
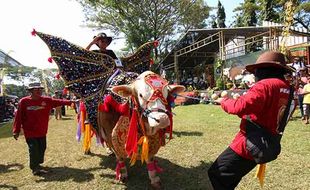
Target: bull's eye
140, 95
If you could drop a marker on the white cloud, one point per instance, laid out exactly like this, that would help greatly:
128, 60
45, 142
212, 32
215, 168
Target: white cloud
61, 18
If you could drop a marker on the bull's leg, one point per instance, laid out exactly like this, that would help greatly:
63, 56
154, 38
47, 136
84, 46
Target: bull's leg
121, 171
153, 169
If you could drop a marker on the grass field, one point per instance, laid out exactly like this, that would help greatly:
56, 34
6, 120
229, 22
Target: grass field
201, 133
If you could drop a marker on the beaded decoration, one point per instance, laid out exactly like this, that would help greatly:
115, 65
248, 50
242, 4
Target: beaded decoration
86, 73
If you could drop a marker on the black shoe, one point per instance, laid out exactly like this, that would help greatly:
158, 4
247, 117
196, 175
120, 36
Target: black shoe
87, 152
39, 172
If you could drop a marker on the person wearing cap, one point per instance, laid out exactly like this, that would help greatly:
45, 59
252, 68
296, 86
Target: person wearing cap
262, 103
32, 116
103, 41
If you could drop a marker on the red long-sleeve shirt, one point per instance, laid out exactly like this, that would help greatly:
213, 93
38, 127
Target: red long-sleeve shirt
33, 115
265, 103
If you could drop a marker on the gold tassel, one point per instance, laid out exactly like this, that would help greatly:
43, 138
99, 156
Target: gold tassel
145, 149
144, 144
133, 159
260, 173
87, 138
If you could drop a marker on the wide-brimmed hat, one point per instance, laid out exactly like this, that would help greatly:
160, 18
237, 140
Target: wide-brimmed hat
104, 36
270, 59
34, 85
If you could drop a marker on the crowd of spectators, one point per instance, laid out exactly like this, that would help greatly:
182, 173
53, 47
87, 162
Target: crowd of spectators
8, 106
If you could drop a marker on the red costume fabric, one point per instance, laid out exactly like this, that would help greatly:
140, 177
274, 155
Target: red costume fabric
33, 115
109, 103
267, 95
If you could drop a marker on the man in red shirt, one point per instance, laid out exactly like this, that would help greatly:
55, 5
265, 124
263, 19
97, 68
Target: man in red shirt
264, 103
32, 116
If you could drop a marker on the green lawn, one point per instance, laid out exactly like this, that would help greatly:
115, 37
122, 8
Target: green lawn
5, 130
201, 133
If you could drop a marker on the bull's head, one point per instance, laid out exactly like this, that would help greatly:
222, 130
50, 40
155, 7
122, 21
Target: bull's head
151, 94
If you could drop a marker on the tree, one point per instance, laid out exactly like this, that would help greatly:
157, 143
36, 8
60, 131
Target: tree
213, 22
25, 75
221, 16
302, 14
145, 20
271, 10
17, 90
247, 15
49, 79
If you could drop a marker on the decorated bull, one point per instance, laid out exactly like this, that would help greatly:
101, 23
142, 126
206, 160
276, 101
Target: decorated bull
130, 112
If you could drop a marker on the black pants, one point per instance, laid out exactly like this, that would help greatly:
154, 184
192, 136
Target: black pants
36, 148
228, 169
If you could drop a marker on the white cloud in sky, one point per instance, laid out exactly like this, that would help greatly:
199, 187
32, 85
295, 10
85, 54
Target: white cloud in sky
61, 18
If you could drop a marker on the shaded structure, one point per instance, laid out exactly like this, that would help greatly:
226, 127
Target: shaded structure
7, 60
198, 49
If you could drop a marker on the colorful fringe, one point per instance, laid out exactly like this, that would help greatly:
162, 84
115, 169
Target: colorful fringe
260, 173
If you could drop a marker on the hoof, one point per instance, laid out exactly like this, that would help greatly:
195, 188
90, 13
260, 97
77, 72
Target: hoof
124, 179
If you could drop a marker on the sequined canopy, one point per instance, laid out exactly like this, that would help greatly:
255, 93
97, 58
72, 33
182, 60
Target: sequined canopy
86, 73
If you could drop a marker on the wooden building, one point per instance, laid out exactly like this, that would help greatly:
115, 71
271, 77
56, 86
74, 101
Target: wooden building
200, 49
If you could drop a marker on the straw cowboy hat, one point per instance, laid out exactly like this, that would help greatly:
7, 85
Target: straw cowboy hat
270, 59
104, 37
34, 85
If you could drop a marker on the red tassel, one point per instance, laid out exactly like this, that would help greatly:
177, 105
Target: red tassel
119, 166
102, 108
50, 59
34, 32
122, 109
65, 91
132, 137
57, 76
156, 43
154, 166
151, 61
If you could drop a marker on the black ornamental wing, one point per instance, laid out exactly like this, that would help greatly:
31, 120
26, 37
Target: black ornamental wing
85, 72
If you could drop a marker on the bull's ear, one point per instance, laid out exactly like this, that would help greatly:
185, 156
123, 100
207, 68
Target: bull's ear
123, 90
176, 89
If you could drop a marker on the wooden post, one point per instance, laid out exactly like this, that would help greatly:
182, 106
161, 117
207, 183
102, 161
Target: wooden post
2, 73
176, 68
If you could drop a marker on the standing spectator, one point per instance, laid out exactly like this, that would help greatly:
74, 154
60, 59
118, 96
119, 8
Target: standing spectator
301, 82
263, 103
297, 64
58, 114
32, 116
306, 100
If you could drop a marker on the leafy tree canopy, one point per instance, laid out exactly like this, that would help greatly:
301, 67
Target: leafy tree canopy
221, 16
144, 20
252, 12
25, 75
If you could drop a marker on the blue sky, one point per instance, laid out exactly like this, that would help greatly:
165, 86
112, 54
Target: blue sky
228, 5
63, 18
